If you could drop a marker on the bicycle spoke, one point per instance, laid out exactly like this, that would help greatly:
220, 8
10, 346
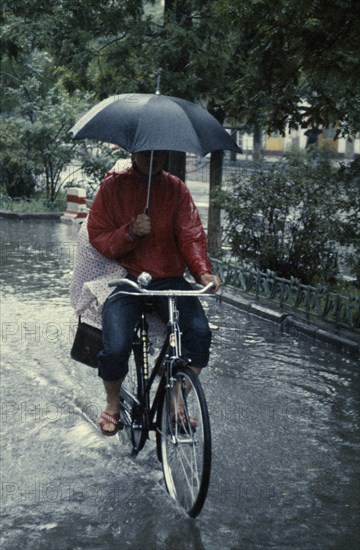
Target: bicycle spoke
194, 470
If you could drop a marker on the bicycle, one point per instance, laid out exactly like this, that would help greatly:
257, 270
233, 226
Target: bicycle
177, 412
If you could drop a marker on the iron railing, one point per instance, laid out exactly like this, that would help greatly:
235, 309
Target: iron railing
30, 204
317, 302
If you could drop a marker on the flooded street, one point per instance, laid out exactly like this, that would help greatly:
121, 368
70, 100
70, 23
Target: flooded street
284, 414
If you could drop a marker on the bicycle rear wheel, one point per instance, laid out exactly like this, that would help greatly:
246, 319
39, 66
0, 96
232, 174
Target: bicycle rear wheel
185, 441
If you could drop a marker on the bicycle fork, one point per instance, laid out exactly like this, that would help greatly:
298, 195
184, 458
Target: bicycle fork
174, 331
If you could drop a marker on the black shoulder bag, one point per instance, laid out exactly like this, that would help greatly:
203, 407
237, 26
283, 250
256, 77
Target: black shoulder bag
87, 344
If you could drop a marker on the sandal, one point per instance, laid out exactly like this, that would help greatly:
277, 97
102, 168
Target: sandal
107, 418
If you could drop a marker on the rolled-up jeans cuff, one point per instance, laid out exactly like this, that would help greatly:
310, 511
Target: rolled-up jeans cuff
111, 369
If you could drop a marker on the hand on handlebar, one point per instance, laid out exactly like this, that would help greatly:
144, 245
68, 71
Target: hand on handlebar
207, 278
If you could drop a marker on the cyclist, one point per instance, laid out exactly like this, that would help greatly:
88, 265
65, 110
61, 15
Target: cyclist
163, 242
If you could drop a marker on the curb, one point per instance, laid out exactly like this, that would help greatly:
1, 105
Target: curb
292, 324
337, 340
30, 216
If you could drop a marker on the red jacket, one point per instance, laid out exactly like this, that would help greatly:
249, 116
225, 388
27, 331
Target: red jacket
177, 239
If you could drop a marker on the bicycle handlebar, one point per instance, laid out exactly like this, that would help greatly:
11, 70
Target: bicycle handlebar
144, 291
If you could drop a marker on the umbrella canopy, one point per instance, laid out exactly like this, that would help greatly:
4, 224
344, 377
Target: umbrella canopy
144, 122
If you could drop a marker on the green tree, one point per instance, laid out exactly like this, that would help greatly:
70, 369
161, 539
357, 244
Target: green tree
35, 144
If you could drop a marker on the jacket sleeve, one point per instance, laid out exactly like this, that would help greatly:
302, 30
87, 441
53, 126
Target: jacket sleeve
191, 236
105, 234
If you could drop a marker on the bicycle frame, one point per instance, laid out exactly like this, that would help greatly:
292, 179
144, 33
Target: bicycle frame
170, 353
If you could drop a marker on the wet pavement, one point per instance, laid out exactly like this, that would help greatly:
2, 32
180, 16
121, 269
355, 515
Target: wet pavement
285, 425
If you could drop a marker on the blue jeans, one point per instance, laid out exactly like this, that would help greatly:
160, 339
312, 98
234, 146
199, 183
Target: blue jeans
122, 312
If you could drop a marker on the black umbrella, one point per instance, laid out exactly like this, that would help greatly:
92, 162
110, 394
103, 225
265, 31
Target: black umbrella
154, 122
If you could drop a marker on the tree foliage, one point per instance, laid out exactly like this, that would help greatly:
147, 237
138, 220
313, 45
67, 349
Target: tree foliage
267, 61
295, 63
349, 234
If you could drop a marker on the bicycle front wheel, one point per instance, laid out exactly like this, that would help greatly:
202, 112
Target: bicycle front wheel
185, 441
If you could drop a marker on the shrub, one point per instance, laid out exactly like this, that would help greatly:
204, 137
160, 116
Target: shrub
17, 178
287, 216
349, 233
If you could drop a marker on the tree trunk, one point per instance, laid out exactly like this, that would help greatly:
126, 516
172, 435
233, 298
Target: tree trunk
216, 168
233, 153
257, 148
179, 12
214, 216
176, 164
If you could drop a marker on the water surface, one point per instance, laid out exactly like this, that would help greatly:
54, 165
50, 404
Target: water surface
285, 425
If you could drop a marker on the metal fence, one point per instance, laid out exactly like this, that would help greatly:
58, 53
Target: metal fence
314, 302
31, 205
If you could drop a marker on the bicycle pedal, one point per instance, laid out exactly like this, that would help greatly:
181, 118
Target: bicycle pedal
183, 429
